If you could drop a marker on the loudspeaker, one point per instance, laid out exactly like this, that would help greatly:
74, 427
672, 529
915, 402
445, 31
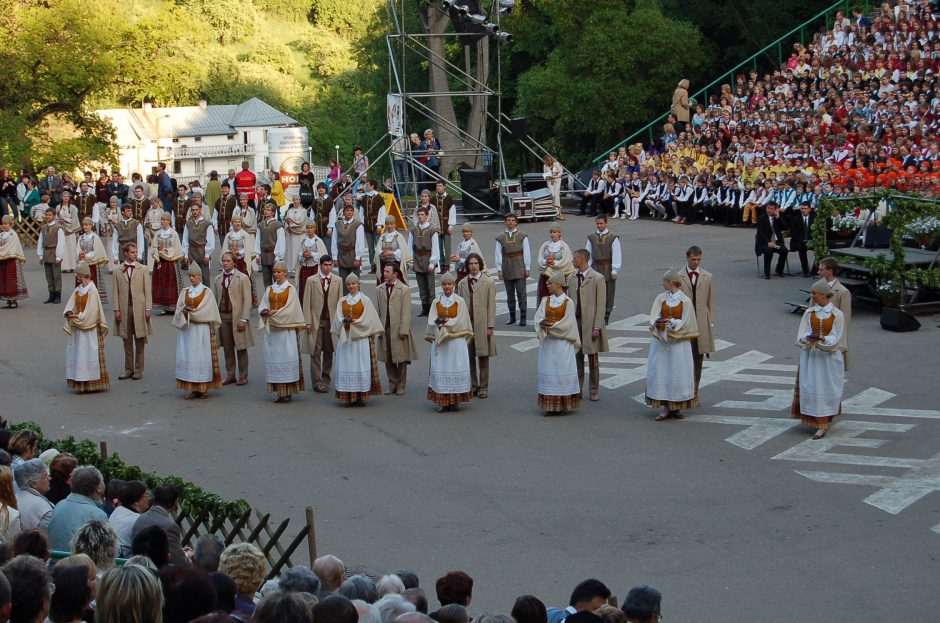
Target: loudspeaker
893, 319
474, 180
519, 126
877, 237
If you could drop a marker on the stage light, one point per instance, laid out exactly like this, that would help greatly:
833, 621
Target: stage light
504, 37
491, 28
462, 10
447, 4
507, 3
477, 19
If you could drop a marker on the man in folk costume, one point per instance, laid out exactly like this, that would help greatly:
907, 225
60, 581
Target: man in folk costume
513, 259
321, 212
164, 263
270, 244
86, 327
198, 240
425, 202
372, 204
820, 381
554, 257
355, 324
423, 242
479, 291
397, 349
308, 253
587, 289
181, 207
321, 297
604, 249
233, 292
282, 320
67, 215
51, 250
140, 205
197, 346
225, 210
248, 215
296, 226
697, 285
393, 249
447, 212
467, 246
125, 231
87, 204
841, 298
449, 330
349, 243
90, 250
12, 258
670, 376
132, 311
557, 331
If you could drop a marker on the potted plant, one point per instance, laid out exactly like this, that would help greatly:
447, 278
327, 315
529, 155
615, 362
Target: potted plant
845, 225
890, 293
924, 229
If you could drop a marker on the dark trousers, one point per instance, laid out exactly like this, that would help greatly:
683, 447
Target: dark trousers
611, 291
234, 358
781, 260
443, 241
371, 239
267, 274
684, 210
53, 277
596, 202
425, 288
801, 250
697, 358
515, 289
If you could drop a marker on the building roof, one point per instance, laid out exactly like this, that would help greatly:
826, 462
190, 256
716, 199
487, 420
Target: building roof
214, 120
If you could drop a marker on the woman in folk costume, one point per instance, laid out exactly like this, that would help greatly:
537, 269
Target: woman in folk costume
67, 215
557, 331
164, 260
12, 282
197, 343
355, 325
295, 224
91, 250
449, 330
153, 222
392, 248
282, 320
86, 327
554, 257
110, 216
467, 246
817, 395
241, 244
670, 369
307, 258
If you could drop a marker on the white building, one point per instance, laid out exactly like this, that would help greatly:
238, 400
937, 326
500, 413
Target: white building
194, 140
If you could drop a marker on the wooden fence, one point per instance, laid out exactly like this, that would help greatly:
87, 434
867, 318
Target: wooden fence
28, 230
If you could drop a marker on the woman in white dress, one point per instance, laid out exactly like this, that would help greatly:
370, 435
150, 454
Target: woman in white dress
670, 369
308, 253
12, 259
241, 244
817, 394
164, 261
355, 325
557, 331
197, 346
449, 330
467, 246
282, 320
392, 248
91, 250
554, 257
552, 171
67, 215
86, 327
295, 222
109, 218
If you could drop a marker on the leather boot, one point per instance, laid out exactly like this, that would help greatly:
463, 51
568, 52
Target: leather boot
51, 299
512, 318
522, 319
58, 298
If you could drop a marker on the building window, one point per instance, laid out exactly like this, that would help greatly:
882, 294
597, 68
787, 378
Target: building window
177, 167
231, 137
265, 137
197, 139
176, 140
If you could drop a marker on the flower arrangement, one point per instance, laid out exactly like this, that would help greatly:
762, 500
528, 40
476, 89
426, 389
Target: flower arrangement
924, 229
888, 290
845, 223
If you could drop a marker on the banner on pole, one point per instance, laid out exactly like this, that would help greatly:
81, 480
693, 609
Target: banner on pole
394, 113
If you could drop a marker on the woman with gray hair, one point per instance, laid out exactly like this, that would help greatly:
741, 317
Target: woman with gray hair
392, 606
80, 507
389, 584
32, 477
98, 541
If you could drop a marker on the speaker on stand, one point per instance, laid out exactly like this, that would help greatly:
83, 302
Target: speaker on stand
894, 319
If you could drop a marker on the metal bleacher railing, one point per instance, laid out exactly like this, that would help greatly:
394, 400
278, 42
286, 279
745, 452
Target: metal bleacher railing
701, 96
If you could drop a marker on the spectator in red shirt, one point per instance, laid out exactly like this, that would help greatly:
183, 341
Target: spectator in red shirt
245, 183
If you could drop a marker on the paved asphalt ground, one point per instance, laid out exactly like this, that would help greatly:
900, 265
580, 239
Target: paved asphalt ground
732, 513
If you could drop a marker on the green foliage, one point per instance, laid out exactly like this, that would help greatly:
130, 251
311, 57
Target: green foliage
326, 55
228, 20
271, 53
193, 498
293, 10
346, 19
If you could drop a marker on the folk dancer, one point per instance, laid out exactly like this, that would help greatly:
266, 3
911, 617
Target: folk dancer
241, 244
513, 259
355, 325
132, 311
479, 291
447, 213
67, 215
841, 298
225, 210
554, 257
164, 262
90, 249
126, 230
424, 245
87, 204
282, 320
51, 249
372, 204
12, 258
817, 394
248, 215
393, 249
295, 224
670, 377
586, 288
181, 205
449, 330
197, 347
153, 222
308, 253
321, 297
198, 239
557, 331
467, 246
232, 289
140, 205
605, 257
433, 215
86, 326
110, 217
697, 285
397, 348
322, 213
349, 243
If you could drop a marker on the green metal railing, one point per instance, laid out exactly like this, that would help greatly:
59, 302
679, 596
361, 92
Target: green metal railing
748, 64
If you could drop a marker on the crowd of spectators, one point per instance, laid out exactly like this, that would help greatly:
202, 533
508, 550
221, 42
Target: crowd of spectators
852, 111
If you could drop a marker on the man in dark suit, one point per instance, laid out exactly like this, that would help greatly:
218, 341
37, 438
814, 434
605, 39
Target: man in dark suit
51, 184
166, 499
769, 239
800, 234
